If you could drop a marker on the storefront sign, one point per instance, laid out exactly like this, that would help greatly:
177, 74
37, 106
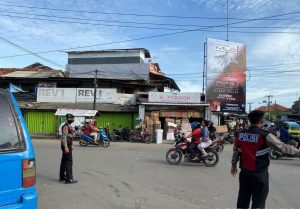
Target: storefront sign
175, 98
226, 76
62, 95
102, 95
72, 95
181, 114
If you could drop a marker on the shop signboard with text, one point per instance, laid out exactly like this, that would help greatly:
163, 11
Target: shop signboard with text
175, 97
226, 76
102, 95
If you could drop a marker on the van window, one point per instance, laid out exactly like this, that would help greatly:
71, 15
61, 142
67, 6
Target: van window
9, 138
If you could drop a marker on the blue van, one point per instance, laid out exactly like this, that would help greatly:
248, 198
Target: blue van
17, 159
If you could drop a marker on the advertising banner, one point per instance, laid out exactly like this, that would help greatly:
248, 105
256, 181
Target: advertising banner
226, 76
102, 95
62, 95
175, 98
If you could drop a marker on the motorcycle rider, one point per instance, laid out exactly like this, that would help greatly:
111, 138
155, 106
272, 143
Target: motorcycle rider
93, 130
196, 134
251, 150
286, 137
205, 140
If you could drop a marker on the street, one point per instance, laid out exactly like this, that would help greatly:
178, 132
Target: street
127, 175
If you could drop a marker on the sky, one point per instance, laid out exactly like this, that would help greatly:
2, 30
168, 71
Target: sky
273, 53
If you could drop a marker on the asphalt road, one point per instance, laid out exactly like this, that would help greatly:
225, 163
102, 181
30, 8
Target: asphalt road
136, 176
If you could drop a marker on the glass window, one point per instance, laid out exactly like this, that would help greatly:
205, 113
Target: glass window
9, 139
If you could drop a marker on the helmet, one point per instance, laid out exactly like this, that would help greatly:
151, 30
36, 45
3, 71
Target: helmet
286, 126
195, 124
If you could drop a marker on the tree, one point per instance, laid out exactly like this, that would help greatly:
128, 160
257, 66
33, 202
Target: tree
296, 107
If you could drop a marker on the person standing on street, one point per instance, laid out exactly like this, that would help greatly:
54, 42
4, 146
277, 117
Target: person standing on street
66, 172
212, 131
251, 150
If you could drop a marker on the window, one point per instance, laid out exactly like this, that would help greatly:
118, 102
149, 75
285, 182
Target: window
9, 139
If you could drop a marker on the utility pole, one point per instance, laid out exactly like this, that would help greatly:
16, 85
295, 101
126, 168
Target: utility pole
95, 89
269, 102
250, 103
227, 38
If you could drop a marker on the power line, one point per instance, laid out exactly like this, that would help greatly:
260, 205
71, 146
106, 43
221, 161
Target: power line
157, 28
137, 23
30, 52
129, 14
155, 36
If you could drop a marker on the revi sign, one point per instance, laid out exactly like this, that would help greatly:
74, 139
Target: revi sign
72, 95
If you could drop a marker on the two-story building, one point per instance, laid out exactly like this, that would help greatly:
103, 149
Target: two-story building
121, 75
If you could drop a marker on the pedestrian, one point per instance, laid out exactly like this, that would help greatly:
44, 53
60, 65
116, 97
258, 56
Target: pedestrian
212, 131
251, 150
66, 171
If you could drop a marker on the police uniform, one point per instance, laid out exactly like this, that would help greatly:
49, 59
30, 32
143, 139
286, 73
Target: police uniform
66, 172
251, 149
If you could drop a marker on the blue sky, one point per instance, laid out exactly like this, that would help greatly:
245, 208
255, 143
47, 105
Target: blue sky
177, 54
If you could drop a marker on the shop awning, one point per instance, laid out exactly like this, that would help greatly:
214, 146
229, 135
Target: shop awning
76, 112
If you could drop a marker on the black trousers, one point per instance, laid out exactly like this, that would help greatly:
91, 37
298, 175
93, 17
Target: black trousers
253, 185
66, 171
192, 148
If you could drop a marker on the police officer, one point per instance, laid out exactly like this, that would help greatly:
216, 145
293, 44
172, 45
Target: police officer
251, 149
66, 172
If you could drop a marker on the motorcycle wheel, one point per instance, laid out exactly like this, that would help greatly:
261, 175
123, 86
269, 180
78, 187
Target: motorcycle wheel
147, 140
221, 147
273, 155
212, 159
173, 157
83, 143
105, 143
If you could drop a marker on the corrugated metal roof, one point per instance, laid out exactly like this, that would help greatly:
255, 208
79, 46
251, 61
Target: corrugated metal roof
103, 107
34, 74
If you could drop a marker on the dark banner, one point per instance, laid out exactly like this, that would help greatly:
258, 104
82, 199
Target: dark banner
226, 76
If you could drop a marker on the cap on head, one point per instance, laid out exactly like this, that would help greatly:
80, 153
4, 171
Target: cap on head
69, 115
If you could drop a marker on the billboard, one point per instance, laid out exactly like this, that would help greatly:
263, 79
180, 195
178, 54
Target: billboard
175, 97
226, 76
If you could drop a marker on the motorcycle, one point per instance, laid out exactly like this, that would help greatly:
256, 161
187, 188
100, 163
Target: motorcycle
218, 144
121, 134
85, 139
180, 149
275, 155
140, 136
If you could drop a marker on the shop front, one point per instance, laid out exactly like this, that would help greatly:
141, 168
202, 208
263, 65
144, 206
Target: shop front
168, 111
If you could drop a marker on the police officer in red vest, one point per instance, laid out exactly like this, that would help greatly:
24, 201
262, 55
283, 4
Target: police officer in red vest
251, 150
66, 172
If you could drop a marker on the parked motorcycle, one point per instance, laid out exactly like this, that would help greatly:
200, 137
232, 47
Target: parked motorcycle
140, 136
121, 134
103, 140
218, 143
180, 149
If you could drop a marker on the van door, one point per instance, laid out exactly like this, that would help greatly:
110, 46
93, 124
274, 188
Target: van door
11, 147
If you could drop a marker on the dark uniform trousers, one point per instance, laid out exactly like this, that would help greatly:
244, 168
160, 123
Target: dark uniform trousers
66, 164
253, 185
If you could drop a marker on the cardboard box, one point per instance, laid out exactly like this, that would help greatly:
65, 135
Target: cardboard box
155, 114
222, 129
